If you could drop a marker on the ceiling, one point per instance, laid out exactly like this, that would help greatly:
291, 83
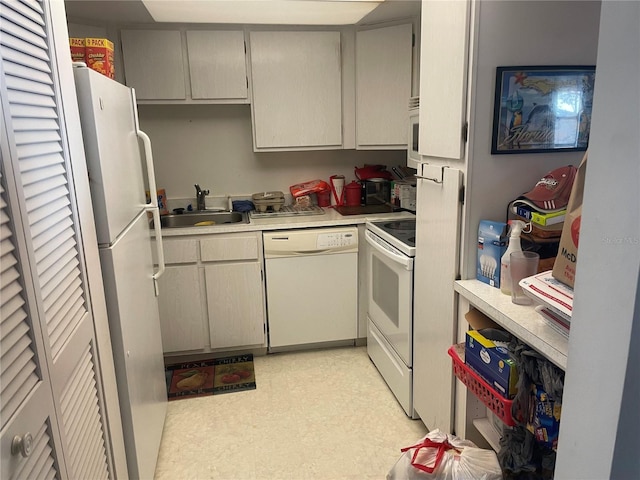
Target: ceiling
133, 11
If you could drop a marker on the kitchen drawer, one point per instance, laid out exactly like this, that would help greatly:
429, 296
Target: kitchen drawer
177, 251
398, 376
233, 246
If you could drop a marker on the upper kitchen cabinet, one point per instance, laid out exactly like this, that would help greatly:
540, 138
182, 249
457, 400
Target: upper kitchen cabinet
153, 63
296, 87
217, 66
443, 78
193, 66
383, 86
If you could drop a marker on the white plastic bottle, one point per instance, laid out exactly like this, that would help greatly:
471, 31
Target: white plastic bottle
514, 246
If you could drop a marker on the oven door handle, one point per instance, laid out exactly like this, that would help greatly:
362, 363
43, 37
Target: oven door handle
388, 251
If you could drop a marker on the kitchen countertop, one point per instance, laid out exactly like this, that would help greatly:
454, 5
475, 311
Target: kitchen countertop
329, 219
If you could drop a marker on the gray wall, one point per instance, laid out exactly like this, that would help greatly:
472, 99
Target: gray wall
514, 33
212, 145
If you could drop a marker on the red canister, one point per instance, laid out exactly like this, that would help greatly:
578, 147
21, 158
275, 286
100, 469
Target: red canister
352, 194
324, 198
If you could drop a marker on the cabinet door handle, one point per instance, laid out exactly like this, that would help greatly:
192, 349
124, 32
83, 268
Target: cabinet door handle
22, 445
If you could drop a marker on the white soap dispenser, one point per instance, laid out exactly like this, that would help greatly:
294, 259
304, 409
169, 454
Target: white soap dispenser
514, 246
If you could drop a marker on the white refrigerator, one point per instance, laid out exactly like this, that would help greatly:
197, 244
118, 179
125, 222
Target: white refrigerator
118, 159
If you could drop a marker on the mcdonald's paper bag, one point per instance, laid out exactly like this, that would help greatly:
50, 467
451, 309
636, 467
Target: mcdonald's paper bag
564, 268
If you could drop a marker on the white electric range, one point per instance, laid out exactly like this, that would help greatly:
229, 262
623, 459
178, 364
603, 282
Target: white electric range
390, 251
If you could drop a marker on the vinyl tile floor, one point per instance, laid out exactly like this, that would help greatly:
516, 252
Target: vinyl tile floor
317, 415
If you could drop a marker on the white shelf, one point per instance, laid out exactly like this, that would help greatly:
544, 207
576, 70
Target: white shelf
521, 320
484, 427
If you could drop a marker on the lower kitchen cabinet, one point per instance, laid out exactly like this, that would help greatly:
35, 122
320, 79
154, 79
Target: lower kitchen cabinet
212, 293
234, 288
181, 314
235, 304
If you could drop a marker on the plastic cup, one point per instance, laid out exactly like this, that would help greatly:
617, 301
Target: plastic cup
523, 265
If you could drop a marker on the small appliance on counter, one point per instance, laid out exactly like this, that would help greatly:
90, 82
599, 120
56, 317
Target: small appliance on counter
376, 191
376, 184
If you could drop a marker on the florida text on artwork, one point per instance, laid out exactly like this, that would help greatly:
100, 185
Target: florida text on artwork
544, 110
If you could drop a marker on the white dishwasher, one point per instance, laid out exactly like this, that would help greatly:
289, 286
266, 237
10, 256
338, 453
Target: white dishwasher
312, 285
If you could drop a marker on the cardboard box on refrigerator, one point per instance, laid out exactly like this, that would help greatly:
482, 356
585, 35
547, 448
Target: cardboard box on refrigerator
77, 47
99, 56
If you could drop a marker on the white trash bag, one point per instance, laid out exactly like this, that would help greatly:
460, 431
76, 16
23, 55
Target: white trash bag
443, 456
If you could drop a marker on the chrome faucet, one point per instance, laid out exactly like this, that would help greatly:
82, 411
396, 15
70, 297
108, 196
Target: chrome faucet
200, 194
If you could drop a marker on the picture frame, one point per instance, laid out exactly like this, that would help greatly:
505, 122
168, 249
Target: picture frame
539, 109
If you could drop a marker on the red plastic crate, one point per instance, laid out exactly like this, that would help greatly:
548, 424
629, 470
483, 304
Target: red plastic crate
489, 396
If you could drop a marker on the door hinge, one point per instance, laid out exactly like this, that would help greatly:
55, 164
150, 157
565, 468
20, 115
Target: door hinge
465, 131
413, 39
462, 192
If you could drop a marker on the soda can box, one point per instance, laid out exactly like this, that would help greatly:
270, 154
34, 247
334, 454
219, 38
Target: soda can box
99, 56
492, 362
492, 243
77, 46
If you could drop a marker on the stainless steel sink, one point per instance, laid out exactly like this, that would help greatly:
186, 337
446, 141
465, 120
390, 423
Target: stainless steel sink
204, 219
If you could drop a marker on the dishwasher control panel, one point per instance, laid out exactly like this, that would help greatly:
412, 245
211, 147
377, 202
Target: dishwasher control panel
310, 241
336, 239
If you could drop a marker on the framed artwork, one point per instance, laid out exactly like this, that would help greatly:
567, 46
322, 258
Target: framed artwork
542, 109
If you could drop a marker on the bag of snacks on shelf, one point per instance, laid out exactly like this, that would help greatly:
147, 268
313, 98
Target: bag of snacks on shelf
443, 456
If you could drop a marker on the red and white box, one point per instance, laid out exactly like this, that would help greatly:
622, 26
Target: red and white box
544, 289
99, 56
77, 46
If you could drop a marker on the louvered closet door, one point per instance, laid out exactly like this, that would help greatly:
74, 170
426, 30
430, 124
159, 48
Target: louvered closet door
45, 204
26, 402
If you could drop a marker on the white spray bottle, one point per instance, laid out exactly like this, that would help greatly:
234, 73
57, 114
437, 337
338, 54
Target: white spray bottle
514, 246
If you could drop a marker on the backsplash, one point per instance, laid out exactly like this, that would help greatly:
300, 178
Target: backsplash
212, 145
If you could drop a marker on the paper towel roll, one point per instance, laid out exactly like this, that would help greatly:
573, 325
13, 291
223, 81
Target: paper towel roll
337, 189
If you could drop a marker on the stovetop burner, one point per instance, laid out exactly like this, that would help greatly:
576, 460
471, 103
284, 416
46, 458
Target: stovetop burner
401, 225
399, 233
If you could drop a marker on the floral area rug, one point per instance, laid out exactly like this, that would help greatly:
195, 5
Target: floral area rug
210, 377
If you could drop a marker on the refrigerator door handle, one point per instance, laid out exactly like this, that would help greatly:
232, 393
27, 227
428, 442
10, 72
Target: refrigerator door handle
151, 206
159, 250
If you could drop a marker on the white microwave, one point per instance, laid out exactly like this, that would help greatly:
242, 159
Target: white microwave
413, 156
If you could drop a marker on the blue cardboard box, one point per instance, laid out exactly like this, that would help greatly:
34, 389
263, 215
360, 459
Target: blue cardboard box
492, 243
492, 362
